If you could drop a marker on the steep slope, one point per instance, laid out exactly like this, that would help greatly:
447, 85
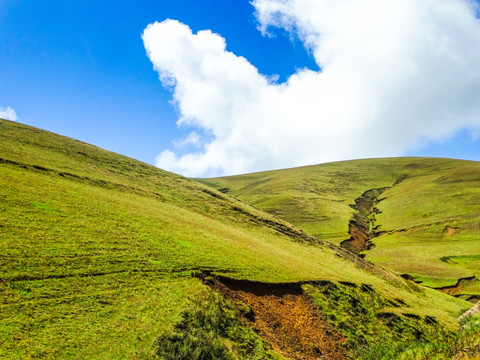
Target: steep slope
423, 219
102, 256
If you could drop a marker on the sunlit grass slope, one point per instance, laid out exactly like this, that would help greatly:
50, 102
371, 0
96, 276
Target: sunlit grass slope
314, 198
430, 214
432, 219
97, 250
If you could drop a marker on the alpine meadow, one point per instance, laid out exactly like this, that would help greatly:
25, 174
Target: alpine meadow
240, 180
416, 216
105, 257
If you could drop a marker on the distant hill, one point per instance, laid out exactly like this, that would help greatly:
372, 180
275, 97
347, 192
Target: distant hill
105, 257
422, 219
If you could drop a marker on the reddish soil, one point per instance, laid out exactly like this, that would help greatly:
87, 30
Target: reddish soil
359, 238
285, 317
458, 287
361, 227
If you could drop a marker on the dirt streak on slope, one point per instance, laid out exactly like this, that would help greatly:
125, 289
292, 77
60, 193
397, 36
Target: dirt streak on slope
283, 316
460, 286
362, 227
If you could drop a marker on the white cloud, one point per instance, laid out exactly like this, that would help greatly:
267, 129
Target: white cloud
395, 73
192, 139
8, 113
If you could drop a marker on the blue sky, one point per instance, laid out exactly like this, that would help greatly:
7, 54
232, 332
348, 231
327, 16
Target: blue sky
79, 68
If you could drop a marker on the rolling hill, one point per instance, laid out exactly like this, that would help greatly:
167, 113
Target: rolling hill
417, 216
105, 257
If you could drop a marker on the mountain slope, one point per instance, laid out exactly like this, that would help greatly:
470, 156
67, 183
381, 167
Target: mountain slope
101, 254
424, 216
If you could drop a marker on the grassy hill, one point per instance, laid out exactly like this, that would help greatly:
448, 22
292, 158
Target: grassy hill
105, 257
426, 225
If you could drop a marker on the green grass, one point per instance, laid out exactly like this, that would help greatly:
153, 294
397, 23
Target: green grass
367, 319
427, 196
97, 251
212, 330
462, 345
108, 317
314, 198
449, 197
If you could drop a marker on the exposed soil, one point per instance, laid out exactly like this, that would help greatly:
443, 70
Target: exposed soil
456, 289
453, 290
410, 278
411, 229
283, 316
472, 298
448, 230
362, 228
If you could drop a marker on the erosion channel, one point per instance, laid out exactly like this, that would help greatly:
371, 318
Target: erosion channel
284, 316
362, 228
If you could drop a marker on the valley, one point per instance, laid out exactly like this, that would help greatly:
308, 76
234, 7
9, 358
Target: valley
105, 257
411, 215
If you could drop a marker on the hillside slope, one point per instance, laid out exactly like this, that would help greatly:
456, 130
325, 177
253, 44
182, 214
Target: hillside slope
421, 215
101, 254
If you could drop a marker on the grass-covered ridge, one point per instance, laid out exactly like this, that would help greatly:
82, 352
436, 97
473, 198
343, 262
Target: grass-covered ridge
97, 252
429, 212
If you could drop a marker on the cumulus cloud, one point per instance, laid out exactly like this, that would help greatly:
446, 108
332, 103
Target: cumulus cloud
8, 113
394, 74
193, 139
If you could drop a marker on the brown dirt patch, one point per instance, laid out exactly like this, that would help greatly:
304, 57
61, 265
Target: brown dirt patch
285, 317
362, 228
460, 286
448, 230
360, 240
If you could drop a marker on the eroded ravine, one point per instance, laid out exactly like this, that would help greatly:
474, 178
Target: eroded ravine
362, 228
458, 289
283, 316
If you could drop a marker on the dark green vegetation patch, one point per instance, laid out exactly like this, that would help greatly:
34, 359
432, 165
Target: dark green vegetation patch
373, 325
212, 330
